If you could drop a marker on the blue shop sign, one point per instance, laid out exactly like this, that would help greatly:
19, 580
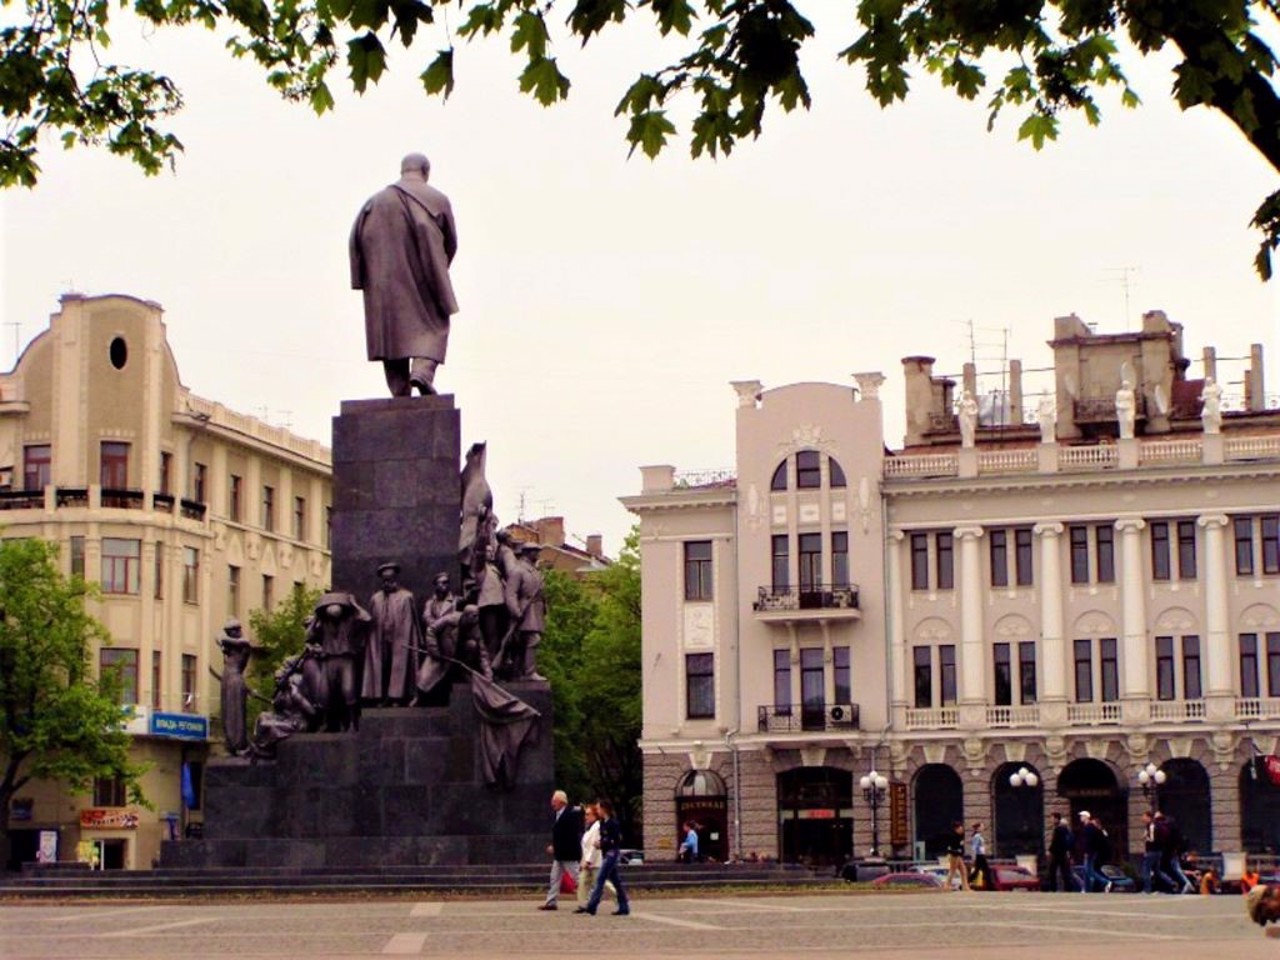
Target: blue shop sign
183, 726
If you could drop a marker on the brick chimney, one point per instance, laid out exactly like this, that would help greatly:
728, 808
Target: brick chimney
595, 545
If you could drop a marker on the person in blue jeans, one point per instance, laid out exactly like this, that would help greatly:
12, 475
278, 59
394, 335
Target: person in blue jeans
1095, 854
610, 849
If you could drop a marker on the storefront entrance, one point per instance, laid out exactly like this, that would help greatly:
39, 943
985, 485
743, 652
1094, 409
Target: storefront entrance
815, 816
1089, 784
702, 798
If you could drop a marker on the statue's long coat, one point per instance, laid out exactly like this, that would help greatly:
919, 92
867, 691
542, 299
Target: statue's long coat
392, 646
402, 243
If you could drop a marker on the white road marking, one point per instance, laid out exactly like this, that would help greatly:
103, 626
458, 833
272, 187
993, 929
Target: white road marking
427, 910
94, 914
405, 944
676, 922
136, 931
750, 905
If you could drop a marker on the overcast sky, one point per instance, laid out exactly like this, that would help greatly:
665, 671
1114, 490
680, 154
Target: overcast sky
606, 302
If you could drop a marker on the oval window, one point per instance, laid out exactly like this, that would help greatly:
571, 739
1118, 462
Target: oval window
119, 353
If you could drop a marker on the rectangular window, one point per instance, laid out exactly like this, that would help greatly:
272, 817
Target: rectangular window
999, 543
190, 575
37, 466
188, 681
700, 685
269, 509
1271, 544
1084, 670
1164, 668
300, 518
235, 493
328, 528
77, 556
1273, 664
782, 678
1191, 687
166, 471
1159, 550
813, 691
1106, 552
1079, 537
1027, 672
199, 482
121, 560
113, 468
109, 792
947, 672
233, 591
810, 561
839, 559
840, 666
781, 562
268, 592
124, 664
1003, 675
1243, 527
1186, 549
1249, 665
1110, 668
923, 658
156, 673
946, 561
697, 570
919, 561
808, 470
1023, 556
159, 570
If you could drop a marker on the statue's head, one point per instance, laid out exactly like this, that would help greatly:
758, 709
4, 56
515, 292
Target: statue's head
416, 163
233, 628
441, 584
334, 611
389, 573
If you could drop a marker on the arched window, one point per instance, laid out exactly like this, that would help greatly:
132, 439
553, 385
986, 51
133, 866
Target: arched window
808, 470
837, 473
701, 799
779, 481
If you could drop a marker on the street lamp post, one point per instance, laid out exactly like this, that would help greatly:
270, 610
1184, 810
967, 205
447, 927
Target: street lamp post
1150, 778
874, 787
1024, 781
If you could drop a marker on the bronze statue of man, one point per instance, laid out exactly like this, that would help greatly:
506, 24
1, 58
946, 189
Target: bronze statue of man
402, 244
390, 656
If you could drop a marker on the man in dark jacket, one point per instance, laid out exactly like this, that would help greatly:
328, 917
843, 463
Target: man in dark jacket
611, 849
565, 847
1060, 855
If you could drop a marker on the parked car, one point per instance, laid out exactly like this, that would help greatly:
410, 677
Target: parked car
1011, 877
631, 857
910, 878
939, 872
1120, 881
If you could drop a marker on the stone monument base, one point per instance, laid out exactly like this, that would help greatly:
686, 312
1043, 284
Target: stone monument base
405, 789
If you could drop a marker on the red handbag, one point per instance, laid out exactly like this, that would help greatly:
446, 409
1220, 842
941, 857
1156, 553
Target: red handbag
568, 885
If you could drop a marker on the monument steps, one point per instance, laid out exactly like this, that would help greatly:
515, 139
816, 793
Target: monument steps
524, 879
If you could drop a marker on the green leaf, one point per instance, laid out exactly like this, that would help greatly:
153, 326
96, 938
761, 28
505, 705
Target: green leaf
544, 80
1038, 128
529, 32
438, 77
674, 15
649, 131
321, 98
589, 17
367, 59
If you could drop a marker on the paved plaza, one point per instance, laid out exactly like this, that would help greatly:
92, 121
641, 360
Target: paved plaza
884, 926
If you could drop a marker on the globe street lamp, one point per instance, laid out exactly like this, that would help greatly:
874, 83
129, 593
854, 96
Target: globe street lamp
874, 786
1150, 778
1028, 779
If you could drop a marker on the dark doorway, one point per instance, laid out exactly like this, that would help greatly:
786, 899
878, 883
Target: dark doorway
939, 803
113, 854
1089, 784
1018, 810
1185, 798
702, 798
815, 813
1259, 810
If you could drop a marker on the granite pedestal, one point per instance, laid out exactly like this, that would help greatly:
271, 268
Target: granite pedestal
396, 492
405, 789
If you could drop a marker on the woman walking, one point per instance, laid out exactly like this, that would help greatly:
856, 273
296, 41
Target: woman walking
955, 857
981, 868
610, 849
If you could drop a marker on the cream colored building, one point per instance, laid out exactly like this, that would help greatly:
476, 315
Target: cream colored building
185, 512
1046, 593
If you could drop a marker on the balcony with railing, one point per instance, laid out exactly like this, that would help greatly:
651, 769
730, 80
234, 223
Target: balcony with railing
816, 601
1258, 708
1088, 714
123, 499
1177, 711
1026, 715
21, 499
932, 718
822, 717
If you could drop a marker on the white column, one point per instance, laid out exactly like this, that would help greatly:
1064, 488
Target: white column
1216, 606
973, 661
1053, 650
895, 613
1135, 676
